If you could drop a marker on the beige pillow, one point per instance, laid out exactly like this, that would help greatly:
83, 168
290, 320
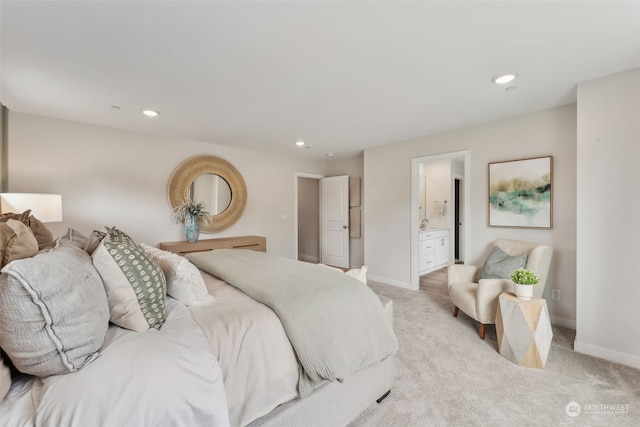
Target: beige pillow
40, 231
16, 242
23, 217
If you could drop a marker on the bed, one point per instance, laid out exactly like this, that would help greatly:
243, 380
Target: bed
226, 355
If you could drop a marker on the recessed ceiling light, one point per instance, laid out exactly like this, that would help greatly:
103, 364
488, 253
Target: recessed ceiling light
150, 113
504, 78
299, 143
115, 107
330, 154
511, 88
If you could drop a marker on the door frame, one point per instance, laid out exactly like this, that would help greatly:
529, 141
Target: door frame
415, 204
456, 207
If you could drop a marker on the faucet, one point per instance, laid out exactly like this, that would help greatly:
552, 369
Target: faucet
424, 223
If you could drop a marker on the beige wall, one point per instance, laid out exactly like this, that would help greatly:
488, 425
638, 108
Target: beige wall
4, 143
109, 177
387, 196
608, 218
438, 189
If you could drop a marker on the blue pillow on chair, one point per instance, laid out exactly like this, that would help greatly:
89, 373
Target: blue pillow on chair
500, 265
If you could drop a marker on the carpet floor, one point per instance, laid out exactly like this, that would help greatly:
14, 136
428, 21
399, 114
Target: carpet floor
447, 376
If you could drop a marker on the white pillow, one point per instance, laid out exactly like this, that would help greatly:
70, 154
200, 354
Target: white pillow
332, 267
184, 281
359, 273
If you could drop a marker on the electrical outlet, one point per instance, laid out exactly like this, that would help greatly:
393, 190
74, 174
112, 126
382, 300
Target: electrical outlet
555, 294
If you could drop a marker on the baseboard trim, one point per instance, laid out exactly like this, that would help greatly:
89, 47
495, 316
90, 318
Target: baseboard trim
607, 354
562, 321
388, 281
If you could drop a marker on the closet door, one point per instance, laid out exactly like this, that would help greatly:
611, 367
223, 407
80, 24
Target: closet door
334, 221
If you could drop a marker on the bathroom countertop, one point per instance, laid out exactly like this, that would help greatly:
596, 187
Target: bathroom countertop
433, 229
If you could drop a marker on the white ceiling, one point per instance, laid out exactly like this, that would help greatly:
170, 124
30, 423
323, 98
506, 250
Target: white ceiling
342, 76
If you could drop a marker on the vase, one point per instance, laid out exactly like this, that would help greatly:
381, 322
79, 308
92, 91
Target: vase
191, 228
523, 291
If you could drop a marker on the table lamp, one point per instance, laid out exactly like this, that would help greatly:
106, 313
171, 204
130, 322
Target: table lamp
45, 207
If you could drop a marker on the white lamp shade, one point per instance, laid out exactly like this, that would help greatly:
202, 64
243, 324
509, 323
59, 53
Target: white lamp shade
45, 207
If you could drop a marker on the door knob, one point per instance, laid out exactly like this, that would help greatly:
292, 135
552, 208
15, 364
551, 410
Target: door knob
345, 227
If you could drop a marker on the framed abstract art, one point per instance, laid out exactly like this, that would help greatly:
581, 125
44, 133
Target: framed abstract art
520, 193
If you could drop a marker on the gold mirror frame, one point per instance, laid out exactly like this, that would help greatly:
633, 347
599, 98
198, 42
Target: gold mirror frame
187, 171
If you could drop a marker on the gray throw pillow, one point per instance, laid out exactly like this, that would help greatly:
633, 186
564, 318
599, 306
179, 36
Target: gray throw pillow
53, 312
72, 238
500, 265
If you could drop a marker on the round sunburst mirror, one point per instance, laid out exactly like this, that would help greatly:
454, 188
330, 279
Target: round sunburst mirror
214, 181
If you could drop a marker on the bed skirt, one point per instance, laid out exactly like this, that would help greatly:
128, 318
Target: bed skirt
336, 403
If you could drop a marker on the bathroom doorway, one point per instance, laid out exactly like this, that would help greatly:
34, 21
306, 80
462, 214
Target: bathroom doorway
440, 208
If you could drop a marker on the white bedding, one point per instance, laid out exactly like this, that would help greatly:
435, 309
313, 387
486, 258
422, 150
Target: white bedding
259, 366
335, 323
165, 377
223, 364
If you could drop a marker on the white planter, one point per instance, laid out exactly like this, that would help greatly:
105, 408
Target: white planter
523, 291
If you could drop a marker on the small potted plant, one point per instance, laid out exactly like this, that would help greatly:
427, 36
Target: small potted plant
523, 281
191, 213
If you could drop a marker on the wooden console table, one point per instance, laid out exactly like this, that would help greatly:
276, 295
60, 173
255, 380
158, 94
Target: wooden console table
256, 243
523, 329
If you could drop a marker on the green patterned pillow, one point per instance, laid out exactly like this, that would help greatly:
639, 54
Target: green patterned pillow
135, 285
499, 265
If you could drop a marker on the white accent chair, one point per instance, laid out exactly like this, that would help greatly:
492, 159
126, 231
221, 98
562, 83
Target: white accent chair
479, 298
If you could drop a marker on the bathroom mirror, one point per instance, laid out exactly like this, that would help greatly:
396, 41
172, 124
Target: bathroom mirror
214, 181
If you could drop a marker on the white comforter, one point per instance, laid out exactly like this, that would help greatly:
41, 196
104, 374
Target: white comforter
174, 376
259, 365
155, 378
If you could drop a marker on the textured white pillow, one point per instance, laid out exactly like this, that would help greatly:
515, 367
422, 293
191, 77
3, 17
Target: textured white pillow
73, 238
53, 312
184, 281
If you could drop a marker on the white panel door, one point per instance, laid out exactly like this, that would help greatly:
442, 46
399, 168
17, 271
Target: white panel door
334, 220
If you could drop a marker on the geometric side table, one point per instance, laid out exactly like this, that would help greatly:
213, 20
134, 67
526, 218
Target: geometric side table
524, 330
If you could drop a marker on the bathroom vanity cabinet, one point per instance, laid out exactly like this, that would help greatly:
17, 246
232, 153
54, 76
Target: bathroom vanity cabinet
434, 250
